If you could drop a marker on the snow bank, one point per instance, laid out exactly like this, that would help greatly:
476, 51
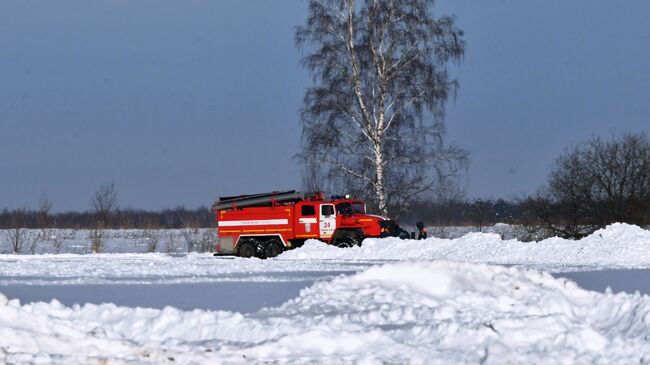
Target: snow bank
442, 312
618, 245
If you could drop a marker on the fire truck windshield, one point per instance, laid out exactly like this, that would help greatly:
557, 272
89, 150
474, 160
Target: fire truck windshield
350, 208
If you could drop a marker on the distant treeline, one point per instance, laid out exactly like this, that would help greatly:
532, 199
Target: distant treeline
547, 217
478, 212
455, 213
117, 219
557, 218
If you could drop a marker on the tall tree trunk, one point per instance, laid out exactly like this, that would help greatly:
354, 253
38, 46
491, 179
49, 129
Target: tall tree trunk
380, 190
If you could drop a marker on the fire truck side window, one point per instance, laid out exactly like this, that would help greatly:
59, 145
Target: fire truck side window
344, 208
327, 210
307, 210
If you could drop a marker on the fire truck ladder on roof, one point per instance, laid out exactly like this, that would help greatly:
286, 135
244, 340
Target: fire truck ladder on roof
259, 200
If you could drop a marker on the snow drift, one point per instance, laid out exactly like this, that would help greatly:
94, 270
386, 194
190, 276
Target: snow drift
616, 246
444, 312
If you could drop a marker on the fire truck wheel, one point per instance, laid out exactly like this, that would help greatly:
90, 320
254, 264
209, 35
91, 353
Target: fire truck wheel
273, 249
247, 249
348, 242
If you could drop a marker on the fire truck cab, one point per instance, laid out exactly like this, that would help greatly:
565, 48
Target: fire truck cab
263, 225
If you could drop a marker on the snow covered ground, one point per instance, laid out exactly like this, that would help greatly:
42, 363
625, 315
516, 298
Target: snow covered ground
427, 312
434, 301
79, 241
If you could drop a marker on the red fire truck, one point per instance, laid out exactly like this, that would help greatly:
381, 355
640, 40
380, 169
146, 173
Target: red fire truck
263, 225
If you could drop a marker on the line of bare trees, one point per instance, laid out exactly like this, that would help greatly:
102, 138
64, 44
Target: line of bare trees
596, 183
15, 237
104, 214
179, 217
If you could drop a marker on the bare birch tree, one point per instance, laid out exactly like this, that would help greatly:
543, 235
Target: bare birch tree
374, 119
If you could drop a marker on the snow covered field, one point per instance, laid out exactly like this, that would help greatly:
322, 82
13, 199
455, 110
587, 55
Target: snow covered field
79, 241
435, 301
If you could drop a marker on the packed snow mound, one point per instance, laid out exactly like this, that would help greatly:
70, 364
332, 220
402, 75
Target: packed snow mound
617, 245
407, 312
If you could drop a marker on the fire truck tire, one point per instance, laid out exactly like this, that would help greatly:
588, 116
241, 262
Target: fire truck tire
347, 238
273, 249
247, 249
349, 241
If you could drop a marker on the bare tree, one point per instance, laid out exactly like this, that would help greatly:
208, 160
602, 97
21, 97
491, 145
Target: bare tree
17, 238
480, 213
44, 210
448, 189
16, 232
313, 178
596, 183
104, 202
373, 121
43, 221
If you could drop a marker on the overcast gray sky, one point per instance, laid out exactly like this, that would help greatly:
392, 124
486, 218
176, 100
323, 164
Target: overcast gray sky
178, 102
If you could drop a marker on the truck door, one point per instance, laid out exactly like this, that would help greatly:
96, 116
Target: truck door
327, 221
307, 226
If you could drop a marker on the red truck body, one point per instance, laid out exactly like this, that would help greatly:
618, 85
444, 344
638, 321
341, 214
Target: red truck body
264, 225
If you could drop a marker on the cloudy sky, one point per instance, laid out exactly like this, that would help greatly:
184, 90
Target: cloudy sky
177, 102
